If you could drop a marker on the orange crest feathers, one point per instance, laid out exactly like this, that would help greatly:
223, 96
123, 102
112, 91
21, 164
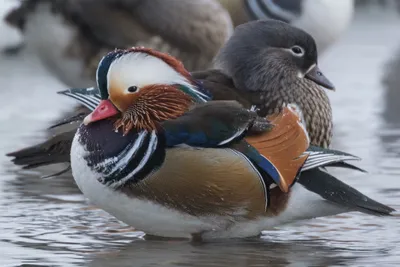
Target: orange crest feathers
154, 104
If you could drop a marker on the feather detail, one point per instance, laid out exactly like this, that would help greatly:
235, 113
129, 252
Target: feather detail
284, 145
153, 105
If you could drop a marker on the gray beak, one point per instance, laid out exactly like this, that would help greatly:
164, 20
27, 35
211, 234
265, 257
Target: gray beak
315, 74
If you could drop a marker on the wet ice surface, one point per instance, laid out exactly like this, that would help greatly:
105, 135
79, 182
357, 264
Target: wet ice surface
49, 223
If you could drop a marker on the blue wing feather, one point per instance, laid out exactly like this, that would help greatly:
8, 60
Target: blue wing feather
177, 134
263, 164
189, 134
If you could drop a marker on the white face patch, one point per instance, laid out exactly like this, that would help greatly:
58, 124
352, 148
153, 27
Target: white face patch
140, 69
310, 68
301, 75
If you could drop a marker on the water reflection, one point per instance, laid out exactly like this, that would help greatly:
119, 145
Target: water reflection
249, 253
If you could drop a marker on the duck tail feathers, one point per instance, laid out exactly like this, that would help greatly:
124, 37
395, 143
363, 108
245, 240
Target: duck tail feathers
55, 150
332, 189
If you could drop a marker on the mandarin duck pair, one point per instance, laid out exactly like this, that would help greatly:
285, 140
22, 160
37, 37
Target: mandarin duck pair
223, 155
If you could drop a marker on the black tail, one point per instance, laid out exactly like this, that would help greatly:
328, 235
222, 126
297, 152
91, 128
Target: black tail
332, 189
55, 150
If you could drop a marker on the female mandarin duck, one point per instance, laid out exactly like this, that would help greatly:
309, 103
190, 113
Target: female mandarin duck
153, 158
268, 63
71, 36
325, 20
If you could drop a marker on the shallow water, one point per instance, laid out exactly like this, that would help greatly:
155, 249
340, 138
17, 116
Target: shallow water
49, 223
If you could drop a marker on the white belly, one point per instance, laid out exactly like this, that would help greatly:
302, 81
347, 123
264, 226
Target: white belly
155, 219
47, 35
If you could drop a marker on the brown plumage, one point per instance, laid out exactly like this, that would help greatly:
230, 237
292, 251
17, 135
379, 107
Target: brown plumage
284, 146
195, 181
150, 106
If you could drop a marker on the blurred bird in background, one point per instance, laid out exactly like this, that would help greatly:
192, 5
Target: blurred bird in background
325, 20
71, 36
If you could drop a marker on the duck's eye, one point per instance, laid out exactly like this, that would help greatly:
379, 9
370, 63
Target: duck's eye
132, 89
297, 51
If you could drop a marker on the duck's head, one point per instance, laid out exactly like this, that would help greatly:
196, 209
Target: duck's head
264, 51
140, 87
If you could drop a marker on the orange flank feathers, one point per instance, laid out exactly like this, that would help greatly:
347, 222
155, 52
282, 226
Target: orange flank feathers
284, 145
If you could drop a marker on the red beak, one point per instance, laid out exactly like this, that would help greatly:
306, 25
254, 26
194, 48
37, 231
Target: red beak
104, 110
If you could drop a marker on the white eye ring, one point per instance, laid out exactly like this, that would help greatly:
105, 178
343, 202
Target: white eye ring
297, 51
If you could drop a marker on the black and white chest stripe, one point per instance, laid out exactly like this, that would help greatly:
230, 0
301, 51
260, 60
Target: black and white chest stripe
120, 159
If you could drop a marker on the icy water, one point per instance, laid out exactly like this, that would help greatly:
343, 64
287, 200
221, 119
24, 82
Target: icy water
49, 223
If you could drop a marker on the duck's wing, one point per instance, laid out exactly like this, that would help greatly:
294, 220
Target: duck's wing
212, 124
55, 150
278, 154
221, 86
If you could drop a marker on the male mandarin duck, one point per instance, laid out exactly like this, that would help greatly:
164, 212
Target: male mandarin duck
325, 20
157, 156
71, 36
